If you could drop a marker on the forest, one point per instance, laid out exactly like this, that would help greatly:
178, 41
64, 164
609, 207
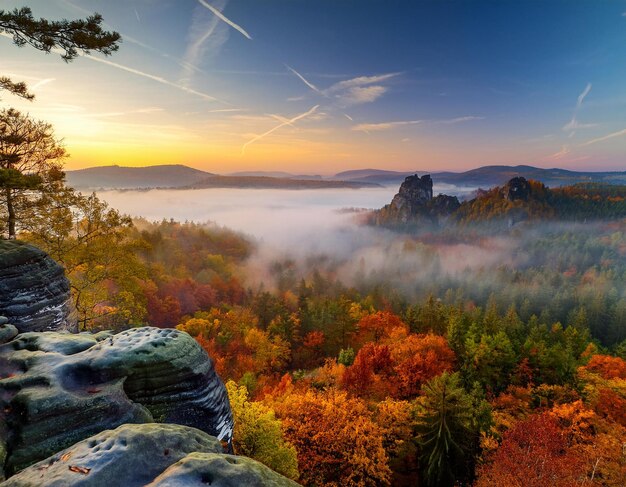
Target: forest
523, 359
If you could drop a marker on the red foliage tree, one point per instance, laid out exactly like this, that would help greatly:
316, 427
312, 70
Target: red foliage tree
375, 327
534, 453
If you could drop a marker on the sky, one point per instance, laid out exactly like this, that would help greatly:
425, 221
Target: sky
321, 86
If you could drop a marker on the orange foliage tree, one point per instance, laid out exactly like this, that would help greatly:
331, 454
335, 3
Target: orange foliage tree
337, 442
608, 367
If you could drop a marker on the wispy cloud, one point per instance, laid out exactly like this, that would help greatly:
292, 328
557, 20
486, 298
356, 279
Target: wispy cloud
619, 133
205, 38
452, 121
290, 121
377, 127
360, 81
582, 96
363, 94
374, 127
146, 110
560, 154
359, 90
130, 39
158, 79
226, 110
42, 82
304, 80
222, 17
573, 124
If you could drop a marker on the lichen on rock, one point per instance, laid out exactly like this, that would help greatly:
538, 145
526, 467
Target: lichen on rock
59, 388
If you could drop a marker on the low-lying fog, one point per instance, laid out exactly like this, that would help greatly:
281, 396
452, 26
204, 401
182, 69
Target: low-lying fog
310, 228
282, 218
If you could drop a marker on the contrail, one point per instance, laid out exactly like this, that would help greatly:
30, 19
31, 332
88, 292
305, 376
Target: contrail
304, 80
286, 122
582, 96
606, 137
42, 82
158, 79
281, 119
225, 19
137, 15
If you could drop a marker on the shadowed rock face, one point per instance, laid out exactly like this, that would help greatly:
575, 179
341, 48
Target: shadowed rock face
414, 203
58, 388
138, 455
517, 189
414, 194
34, 292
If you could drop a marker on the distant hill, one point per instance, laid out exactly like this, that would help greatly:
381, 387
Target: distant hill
274, 174
179, 177
488, 176
265, 182
119, 177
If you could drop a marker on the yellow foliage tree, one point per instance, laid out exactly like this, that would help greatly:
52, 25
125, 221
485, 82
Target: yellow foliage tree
258, 434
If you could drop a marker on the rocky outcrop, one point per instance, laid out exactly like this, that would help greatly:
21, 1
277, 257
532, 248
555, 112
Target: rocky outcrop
444, 205
138, 455
414, 194
200, 469
517, 188
58, 388
34, 292
414, 203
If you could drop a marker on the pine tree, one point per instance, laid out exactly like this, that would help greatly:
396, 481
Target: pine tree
444, 429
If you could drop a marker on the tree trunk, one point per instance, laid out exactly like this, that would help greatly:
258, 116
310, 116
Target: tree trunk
11, 212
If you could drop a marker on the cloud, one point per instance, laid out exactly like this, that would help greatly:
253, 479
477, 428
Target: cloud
561, 154
457, 120
290, 121
374, 127
362, 94
362, 89
222, 17
304, 80
605, 137
41, 83
360, 81
348, 117
377, 127
158, 79
146, 110
573, 124
226, 110
582, 96
206, 36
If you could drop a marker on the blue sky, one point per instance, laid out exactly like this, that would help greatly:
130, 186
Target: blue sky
326, 85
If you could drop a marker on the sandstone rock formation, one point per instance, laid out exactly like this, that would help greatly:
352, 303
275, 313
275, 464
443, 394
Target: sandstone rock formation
59, 388
200, 469
34, 292
414, 194
137, 455
517, 188
414, 203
